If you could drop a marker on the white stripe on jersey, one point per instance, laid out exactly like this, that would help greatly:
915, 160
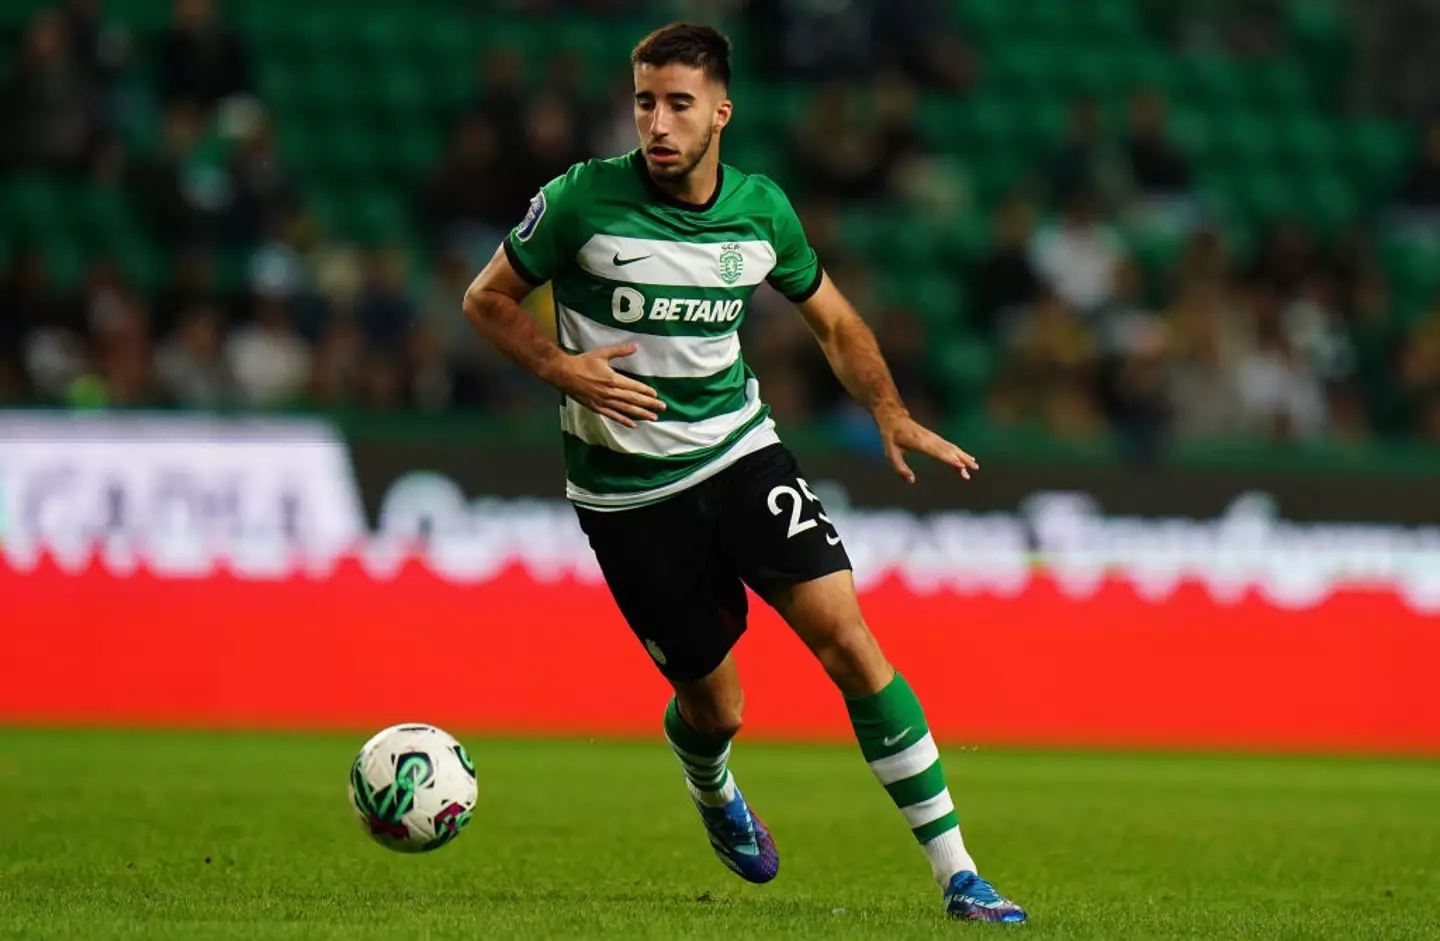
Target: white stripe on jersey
659, 356
678, 264
657, 438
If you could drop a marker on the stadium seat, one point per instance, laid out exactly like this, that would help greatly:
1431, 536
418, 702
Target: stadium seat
963, 364
1306, 140
1378, 152
1213, 79
1247, 140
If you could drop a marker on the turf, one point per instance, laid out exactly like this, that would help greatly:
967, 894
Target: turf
150, 835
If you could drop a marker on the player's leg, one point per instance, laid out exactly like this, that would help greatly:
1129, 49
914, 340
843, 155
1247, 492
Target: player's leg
787, 549
894, 736
688, 609
701, 720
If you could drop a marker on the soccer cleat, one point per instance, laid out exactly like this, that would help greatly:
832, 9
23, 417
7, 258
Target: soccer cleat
973, 899
740, 839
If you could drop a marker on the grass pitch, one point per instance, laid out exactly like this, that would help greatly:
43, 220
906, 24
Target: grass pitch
141, 835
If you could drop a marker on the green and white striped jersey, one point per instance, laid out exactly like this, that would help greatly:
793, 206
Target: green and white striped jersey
630, 264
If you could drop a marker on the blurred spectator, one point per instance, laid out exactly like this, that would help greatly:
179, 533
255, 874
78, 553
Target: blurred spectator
13, 388
1280, 399
122, 353
260, 187
97, 46
1208, 342
47, 106
26, 301
335, 380
1007, 278
1421, 190
432, 376
104, 299
1076, 257
902, 338
270, 362
201, 59
1428, 427
502, 100
449, 358
1134, 345
191, 366
1349, 420
825, 41
553, 141
1070, 411
798, 38
1049, 361
1419, 364
1156, 166
845, 149
1285, 259
613, 133
821, 222
476, 193
164, 188
385, 312
1313, 327
382, 383
438, 307
192, 284
1090, 160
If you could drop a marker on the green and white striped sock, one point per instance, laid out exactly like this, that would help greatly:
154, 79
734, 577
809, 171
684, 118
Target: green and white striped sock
893, 736
702, 758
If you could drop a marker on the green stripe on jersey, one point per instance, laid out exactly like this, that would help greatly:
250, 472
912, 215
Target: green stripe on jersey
693, 400
601, 470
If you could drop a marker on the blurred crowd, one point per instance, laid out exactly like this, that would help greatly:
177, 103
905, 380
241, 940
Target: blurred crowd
1083, 340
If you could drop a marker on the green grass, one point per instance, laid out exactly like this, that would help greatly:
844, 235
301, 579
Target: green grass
140, 835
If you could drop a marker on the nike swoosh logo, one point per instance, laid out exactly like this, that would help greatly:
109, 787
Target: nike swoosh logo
893, 739
833, 540
619, 262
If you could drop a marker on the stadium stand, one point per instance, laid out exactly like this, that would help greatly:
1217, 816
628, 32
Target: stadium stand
1120, 221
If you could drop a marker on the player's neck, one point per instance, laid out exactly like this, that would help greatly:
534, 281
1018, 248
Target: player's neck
698, 186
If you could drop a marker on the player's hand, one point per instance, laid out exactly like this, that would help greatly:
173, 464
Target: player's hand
900, 433
589, 379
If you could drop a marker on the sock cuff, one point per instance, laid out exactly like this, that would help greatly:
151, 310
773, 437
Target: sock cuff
895, 702
683, 737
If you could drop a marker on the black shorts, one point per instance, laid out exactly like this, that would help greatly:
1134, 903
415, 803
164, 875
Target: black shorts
678, 568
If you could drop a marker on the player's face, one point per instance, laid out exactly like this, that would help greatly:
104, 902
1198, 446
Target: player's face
678, 111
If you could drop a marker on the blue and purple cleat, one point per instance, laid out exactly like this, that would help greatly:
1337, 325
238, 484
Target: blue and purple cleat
971, 898
740, 839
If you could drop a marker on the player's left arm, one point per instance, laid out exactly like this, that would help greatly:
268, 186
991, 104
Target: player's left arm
855, 357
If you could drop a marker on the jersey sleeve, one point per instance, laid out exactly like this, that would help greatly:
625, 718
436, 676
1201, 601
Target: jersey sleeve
542, 241
797, 272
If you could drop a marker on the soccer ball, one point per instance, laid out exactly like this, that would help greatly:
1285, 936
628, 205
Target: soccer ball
412, 787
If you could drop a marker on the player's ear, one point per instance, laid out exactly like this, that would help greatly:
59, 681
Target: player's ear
722, 113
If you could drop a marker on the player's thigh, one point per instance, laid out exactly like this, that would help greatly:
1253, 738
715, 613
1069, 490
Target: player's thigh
775, 528
786, 548
664, 568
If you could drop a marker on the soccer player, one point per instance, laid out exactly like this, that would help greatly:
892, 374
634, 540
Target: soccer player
672, 461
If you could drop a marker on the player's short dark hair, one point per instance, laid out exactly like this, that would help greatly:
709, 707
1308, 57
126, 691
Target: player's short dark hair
700, 47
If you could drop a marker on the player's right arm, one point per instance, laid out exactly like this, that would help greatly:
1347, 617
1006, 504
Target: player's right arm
492, 305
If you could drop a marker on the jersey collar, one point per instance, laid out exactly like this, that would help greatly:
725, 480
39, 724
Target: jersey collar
638, 160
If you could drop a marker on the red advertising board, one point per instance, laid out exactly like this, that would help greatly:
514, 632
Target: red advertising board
1359, 671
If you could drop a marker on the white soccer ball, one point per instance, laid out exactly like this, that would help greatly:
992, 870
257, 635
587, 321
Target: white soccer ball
412, 787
